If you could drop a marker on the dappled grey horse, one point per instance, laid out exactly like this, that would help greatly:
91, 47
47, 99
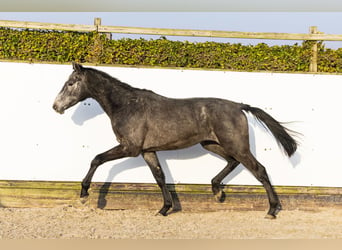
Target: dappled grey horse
145, 122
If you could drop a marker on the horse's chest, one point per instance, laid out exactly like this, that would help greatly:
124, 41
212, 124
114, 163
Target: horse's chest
128, 131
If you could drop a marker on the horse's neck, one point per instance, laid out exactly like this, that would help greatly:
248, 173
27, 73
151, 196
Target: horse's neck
113, 95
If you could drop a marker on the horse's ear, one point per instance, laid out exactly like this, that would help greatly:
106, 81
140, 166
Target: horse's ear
77, 67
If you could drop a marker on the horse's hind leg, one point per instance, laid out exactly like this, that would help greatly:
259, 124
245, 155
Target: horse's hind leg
259, 171
153, 162
216, 181
232, 164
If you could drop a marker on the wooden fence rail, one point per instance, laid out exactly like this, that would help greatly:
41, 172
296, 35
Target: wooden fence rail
313, 35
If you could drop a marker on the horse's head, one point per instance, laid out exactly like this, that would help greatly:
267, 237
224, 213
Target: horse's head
73, 91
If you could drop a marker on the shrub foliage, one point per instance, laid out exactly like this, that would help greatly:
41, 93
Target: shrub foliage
62, 47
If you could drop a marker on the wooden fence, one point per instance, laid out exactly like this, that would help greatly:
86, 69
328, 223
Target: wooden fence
313, 35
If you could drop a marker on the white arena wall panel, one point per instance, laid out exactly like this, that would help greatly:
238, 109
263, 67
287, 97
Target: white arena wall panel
39, 144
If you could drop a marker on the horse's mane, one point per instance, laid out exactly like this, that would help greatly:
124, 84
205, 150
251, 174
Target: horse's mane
116, 82
111, 79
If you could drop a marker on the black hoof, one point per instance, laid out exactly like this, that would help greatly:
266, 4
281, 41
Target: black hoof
164, 210
161, 214
84, 191
272, 214
84, 194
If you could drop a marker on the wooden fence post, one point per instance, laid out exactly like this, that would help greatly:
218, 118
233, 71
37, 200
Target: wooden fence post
313, 59
97, 23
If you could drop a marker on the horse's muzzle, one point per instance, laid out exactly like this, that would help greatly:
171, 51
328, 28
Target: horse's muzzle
58, 109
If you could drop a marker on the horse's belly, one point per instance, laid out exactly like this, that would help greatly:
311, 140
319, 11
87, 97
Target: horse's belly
175, 140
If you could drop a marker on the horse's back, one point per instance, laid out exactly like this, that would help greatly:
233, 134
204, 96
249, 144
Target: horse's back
178, 123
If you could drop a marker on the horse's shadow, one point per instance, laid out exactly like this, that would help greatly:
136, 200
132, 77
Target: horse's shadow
86, 110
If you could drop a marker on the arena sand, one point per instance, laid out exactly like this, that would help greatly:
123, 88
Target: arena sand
67, 222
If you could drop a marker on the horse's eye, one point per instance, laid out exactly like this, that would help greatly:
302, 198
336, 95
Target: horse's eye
71, 83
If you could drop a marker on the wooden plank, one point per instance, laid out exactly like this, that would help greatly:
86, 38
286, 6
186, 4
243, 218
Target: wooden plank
169, 32
188, 197
47, 26
219, 34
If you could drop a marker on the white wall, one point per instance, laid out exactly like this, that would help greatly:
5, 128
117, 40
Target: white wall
38, 144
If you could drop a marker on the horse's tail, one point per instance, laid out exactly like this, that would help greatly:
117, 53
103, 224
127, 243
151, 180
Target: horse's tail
279, 132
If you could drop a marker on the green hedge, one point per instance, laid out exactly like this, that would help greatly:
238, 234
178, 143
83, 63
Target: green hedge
52, 46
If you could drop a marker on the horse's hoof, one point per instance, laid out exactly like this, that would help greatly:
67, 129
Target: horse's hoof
160, 214
164, 210
84, 199
220, 196
84, 193
270, 217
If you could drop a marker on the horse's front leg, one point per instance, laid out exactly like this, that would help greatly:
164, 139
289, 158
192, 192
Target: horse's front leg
153, 162
117, 152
